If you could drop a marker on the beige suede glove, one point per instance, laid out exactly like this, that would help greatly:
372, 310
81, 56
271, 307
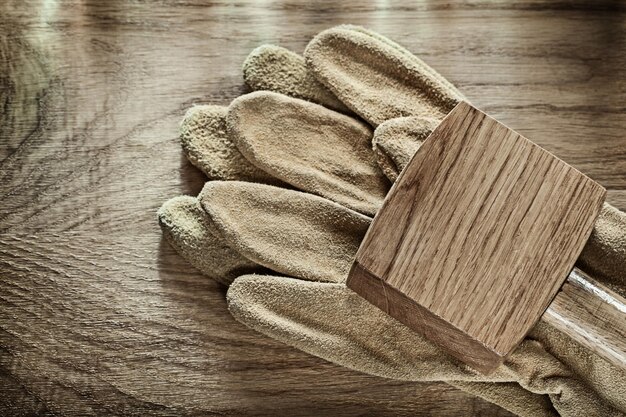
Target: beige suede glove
238, 227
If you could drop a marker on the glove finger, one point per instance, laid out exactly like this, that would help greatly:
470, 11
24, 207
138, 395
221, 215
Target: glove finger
396, 140
310, 147
332, 322
288, 231
206, 144
378, 79
189, 230
273, 68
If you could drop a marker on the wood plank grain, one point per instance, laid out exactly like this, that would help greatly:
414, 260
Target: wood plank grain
98, 315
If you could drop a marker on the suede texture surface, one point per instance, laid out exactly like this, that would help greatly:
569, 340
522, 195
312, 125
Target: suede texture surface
309, 147
206, 145
377, 78
273, 68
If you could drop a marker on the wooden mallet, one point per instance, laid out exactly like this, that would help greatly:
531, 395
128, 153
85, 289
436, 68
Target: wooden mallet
477, 240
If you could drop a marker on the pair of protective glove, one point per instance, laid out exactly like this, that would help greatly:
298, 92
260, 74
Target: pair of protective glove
297, 172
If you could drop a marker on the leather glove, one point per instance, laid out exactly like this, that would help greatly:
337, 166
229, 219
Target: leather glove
313, 238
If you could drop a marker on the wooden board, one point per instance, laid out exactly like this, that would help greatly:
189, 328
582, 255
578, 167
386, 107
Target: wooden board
476, 236
99, 316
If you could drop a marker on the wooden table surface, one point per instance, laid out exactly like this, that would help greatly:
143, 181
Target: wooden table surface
98, 315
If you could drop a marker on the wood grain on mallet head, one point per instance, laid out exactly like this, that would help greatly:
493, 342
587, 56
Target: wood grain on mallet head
476, 237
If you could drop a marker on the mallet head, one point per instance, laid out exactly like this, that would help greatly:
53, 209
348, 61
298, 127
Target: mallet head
476, 237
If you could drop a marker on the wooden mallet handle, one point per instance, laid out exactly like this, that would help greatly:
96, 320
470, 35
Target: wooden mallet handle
592, 315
